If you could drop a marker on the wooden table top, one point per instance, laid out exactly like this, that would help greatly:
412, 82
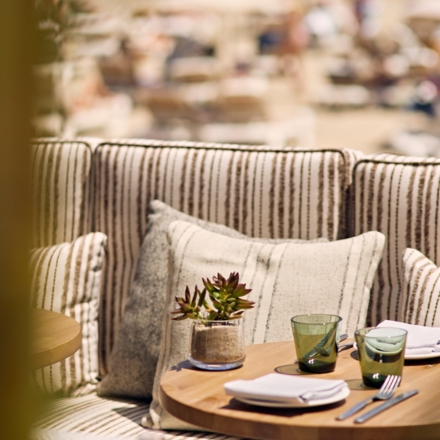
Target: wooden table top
55, 337
198, 397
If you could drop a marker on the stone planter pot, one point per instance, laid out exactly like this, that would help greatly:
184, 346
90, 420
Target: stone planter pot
217, 345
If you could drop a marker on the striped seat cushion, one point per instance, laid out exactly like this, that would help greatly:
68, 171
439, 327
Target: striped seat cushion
94, 415
66, 278
95, 418
398, 196
261, 192
61, 191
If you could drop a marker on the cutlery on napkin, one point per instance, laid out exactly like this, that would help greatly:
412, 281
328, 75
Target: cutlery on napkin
420, 340
281, 388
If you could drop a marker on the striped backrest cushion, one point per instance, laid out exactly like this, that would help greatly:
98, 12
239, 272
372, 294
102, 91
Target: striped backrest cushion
66, 278
261, 192
398, 196
421, 287
61, 191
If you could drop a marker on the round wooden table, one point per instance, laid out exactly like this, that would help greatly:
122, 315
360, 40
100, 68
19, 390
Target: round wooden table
198, 397
55, 337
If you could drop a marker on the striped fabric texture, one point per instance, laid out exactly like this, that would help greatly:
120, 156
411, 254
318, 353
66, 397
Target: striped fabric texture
261, 192
400, 197
61, 191
66, 278
421, 284
95, 418
94, 415
286, 279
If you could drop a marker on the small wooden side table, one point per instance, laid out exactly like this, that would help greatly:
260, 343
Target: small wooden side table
198, 397
55, 337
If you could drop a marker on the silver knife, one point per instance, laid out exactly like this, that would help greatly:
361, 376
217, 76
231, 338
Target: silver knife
386, 405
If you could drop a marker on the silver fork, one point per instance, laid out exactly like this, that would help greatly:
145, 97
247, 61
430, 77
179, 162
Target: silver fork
385, 392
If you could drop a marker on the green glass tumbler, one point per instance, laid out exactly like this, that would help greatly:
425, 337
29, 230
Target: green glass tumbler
381, 352
316, 337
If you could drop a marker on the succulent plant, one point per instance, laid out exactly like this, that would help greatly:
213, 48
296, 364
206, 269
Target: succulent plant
226, 300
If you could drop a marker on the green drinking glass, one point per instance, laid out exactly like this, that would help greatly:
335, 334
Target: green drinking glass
381, 353
316, 337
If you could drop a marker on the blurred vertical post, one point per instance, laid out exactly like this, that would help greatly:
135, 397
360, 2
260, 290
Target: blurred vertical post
16, 53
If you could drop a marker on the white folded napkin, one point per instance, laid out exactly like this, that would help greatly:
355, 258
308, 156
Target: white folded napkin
420, 340
282, 388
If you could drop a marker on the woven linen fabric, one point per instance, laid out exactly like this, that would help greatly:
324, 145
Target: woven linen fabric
134, 357
66, 278
259, 191
61, 191
94, 418
421, 278
400, 197
286, 279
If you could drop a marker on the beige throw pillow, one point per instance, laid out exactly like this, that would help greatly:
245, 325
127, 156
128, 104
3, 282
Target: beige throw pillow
286, 280
421, 290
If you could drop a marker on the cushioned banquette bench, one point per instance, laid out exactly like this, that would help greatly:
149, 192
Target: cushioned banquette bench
103, 209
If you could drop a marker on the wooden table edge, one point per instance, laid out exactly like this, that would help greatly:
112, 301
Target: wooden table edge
217, 422
67, 344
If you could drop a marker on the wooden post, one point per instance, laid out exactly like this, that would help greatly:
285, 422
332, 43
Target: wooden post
17, 404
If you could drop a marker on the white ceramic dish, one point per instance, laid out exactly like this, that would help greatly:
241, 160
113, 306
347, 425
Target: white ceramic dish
414, 357
422, 356
297, 404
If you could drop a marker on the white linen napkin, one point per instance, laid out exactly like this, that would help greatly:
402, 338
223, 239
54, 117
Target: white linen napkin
282, 388
420, 340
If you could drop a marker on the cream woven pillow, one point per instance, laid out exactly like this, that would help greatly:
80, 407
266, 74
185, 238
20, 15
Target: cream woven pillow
66, 278
286, 280
421, 290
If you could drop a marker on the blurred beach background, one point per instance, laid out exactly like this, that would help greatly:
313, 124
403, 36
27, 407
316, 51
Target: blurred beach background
360, 74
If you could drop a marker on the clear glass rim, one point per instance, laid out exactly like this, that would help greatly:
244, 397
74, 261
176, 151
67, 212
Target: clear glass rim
217, 321
327, 318
399, 332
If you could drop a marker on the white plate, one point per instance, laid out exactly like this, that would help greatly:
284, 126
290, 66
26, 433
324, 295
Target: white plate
422, 356
297, 404
413, 357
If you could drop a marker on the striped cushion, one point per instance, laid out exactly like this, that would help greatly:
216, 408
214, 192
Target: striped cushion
92, 414
96, 418
258, 191
421, 289
398, 196
286, 279
66, 278
61, 191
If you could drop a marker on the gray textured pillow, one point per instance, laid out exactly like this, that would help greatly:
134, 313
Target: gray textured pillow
134, 357
287, 279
